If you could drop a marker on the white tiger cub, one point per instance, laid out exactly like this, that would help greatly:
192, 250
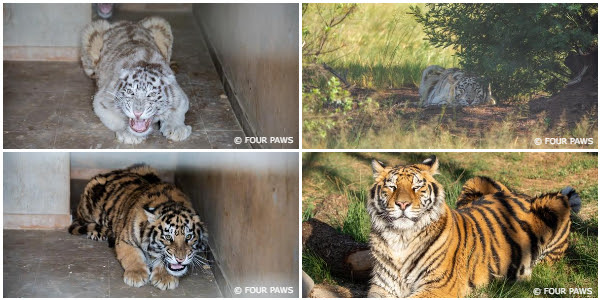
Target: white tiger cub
136, 86
441, 86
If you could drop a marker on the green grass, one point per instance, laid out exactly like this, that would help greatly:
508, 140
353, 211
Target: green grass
357, 223
315, 267
380, 46
308, 211
380, 132
348, 175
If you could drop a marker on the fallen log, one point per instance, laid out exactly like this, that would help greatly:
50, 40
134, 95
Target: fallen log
344, 256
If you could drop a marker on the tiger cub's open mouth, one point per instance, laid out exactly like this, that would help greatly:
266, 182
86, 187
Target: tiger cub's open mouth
140, 125
176, 267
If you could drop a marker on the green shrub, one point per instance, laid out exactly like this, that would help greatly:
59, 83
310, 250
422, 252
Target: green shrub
519, 48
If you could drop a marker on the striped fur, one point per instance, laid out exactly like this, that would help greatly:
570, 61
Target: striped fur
156, 233
441, 86
422, 248
136, 86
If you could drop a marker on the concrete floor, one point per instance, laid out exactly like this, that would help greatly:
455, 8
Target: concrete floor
56, 264
49, 104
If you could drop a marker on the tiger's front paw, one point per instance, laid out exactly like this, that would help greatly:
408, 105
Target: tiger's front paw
164, 280
178, 133
96, 236
129, 138
136, 277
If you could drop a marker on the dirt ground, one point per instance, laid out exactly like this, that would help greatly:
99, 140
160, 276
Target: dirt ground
560, 111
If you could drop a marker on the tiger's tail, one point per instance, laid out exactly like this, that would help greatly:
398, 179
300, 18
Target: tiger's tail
92, 40
574, 199
554, 212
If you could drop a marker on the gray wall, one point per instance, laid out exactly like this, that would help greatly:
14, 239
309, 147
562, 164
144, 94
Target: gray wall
36, 190
44, 31
106, 160
257, 47
249, 202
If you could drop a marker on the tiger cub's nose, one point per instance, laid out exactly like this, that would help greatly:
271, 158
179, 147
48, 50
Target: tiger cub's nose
138, 114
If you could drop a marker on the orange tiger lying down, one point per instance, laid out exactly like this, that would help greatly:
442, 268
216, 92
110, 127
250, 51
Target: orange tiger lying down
156, 233
422, 248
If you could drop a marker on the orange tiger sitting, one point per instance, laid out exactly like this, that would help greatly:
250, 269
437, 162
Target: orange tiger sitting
422, 248
156, 233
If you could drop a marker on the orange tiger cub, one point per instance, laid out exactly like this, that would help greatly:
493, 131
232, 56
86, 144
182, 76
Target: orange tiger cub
423, 248
156, 233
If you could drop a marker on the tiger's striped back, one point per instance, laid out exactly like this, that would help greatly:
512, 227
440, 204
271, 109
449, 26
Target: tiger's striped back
423, 248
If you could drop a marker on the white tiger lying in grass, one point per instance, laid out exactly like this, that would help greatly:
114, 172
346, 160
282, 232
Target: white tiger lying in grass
136, 86
441, 86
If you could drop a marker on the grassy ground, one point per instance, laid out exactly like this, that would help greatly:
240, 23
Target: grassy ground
380, 46
381, 51
335, 185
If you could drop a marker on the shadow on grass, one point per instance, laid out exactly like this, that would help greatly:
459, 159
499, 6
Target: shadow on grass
588, 227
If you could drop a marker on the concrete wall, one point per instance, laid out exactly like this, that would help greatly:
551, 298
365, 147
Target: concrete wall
36, 190
44, 31
249, 202
256, 46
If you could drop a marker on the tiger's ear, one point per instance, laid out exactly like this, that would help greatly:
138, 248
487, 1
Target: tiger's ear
433, 164
150, 214
200, 228
377, 167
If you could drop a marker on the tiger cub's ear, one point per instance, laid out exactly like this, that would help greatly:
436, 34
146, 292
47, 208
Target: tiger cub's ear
433, 164
150, 214
377, 167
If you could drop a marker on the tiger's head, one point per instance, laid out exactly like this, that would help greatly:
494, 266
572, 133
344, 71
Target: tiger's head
142, 95
176, 236
470, 91
405, 197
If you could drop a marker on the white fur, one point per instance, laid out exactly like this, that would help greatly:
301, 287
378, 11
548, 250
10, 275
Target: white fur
117, 59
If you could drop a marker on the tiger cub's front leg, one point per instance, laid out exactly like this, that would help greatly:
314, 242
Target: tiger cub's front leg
133, 262
161, 279
172, 122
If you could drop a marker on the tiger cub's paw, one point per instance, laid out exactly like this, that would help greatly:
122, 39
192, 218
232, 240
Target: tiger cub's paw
96, 236
129, 138
178, 133
136, 277
164, 280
